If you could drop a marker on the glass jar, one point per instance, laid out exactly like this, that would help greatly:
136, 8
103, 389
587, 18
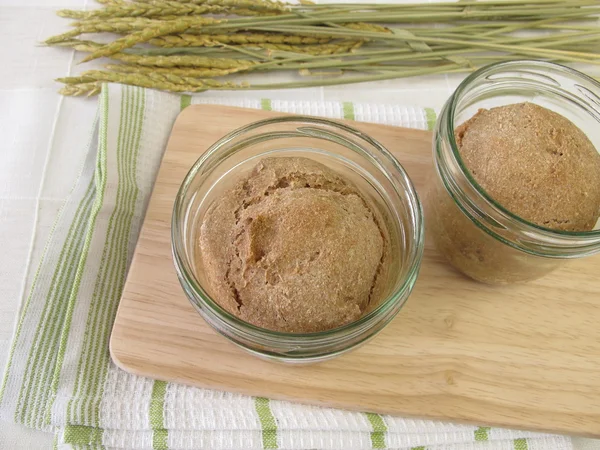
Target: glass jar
477, 235
351, 153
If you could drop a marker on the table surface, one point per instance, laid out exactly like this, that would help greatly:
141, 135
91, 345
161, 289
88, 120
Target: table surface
33, 117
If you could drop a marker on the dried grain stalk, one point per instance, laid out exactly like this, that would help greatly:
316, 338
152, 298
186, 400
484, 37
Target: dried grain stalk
88, 89
323, 49
265, 5
167, 82
156, 8
165, 61
138, 37
181, 71
192, 40
124, 25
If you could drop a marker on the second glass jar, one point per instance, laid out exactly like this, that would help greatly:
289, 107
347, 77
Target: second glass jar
477, 235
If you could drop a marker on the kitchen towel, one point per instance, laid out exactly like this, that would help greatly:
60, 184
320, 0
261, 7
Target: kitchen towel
59, 375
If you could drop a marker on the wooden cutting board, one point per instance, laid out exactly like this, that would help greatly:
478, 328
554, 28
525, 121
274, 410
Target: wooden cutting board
524, 356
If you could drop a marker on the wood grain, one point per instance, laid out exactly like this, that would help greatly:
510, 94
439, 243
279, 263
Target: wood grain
524, 356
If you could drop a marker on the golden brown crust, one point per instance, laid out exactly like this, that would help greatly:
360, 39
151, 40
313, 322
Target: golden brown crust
292, 247
535, 163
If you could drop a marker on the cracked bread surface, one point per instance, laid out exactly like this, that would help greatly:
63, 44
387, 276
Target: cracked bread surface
293, 247
535, 163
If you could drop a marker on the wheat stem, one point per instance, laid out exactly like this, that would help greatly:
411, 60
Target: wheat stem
181, 71
183, 84
401, 17
192, 40
75, 90
259, 5
522, 50
167, 82
155, 8
165, 61
139, 37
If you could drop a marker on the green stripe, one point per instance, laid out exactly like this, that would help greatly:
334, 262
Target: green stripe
265, 104
41, 359
90, 329
422, 447
111, 276
123, 247
80, 435
23, 412
160, 434
157, 401
24, 312
60, 304
431, 118
84, 360
100, 181
34, 392
521, 444
348, 108
481, 433
112, 251
83, 357
268, 424
186, 100
50, 239
40, 413
160, 439
157, 419
379, 430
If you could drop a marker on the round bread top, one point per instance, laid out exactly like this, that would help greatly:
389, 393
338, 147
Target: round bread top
535, 163
292, 247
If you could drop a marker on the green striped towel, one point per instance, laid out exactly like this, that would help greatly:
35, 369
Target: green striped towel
60, 377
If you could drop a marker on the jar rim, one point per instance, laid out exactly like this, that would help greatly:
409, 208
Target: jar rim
450, 127
417, 222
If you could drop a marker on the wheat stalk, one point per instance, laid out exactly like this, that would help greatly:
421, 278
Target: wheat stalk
139, 37
121, 25
185, 61
179, 43
88, 89
167, 82
192, 40
155, 8
181, 71
371, 27
184, 84
325, 49
260, 5
165, 61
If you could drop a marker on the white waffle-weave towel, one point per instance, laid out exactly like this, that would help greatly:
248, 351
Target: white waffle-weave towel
60, 377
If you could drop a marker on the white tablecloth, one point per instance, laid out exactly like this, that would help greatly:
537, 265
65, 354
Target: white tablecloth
33, 120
